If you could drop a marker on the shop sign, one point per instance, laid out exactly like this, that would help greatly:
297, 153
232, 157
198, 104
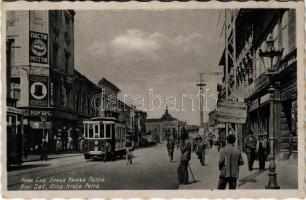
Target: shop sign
291, 60
40, 125
261, 82
254, 104
38, 47
250, 89
231, 112
40, 113
289, 93
264, 98
39, 71
38, 91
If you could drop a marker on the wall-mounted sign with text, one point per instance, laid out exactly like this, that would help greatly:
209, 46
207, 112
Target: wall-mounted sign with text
39, 91
38, 47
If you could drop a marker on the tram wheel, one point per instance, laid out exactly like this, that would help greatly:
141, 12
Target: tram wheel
86, 156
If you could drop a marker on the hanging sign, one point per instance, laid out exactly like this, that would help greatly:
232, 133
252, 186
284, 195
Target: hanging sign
231, 112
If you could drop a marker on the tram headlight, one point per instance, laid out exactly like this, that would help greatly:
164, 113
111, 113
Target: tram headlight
96, 143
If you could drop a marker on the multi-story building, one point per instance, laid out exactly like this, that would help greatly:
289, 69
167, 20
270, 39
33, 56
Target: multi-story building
43, 78
268, 88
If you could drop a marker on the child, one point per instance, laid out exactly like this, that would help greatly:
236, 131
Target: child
129, 156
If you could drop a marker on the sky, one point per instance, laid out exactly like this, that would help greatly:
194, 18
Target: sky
153, 56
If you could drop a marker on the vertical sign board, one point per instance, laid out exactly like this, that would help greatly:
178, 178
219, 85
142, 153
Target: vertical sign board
38, 73
38, 48
38, 90
231, 112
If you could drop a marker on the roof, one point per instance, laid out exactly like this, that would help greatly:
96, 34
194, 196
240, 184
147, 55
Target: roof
153, 120
104, 81
82, 77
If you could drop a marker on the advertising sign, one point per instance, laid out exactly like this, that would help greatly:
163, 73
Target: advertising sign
38, 91
40, 125
231, 112
38, 47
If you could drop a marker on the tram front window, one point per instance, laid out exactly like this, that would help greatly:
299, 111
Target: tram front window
90, 131
85, 130
108, 130
102, 131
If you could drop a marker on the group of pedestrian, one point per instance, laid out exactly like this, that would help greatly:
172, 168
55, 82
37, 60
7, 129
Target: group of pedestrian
256, 149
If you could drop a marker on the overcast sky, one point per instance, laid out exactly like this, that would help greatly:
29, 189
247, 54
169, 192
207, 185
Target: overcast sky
139, 50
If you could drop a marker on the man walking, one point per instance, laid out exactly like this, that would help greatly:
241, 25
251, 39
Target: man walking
229, 162
170, 147
201, 151
250, 144
185, 148
262, 150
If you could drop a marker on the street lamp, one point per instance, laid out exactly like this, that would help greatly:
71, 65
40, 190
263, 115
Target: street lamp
271, 73
43, 119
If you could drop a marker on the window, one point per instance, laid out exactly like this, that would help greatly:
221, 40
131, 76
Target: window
102, 130
76, 103
90, 130
66, 62
85, 130
108, 130
96, 133
15, 88
55, 55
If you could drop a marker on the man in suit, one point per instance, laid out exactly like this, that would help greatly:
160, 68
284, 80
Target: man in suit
262, 150
250, 144
185, 147
229, 162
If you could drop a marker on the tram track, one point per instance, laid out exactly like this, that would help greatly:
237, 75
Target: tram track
45, 168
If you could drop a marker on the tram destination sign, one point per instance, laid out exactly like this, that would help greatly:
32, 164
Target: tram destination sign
231, 112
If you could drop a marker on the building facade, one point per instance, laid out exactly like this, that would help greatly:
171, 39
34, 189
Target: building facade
165, 126
43, 79
269, 87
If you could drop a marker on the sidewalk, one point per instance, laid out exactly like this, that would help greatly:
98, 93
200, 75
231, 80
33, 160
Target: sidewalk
31, 158
207, 176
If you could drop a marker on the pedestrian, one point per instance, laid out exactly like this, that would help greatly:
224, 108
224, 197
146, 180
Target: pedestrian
262, 150
250, 144
229, 162
70, 143
201, 151
107, 151
170, 147
218, 143
81, 145
185, 148
58, 146
129, 153
211, 142
44, 150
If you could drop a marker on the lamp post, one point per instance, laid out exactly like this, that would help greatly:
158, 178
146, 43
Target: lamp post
43, 119
271, 73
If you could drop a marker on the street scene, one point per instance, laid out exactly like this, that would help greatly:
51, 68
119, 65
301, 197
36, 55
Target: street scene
151, 100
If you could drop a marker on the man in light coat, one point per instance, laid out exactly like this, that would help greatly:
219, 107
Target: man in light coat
229, 162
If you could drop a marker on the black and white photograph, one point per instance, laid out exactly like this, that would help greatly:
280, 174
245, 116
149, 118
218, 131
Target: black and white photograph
152, 99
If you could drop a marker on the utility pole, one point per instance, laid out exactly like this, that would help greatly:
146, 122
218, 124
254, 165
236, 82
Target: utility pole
230, 70
201, 85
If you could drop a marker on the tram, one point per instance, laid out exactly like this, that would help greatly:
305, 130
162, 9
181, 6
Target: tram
102, 130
